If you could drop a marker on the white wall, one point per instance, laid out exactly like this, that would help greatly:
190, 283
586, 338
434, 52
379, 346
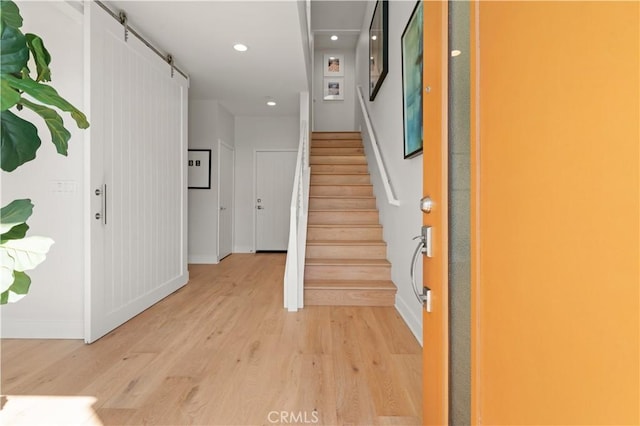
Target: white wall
401, 223
208, 122
55, 304
334, 115
254, 133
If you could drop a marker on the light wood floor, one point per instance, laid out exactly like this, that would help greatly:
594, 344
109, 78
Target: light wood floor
223, 351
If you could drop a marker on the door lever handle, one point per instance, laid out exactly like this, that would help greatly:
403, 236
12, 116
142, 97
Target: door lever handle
259, 207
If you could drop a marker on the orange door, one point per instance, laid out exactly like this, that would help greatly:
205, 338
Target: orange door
435, 323
555, 213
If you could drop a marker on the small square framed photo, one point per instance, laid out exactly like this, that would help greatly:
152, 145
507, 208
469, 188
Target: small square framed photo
333, 89
333, 65
199, 168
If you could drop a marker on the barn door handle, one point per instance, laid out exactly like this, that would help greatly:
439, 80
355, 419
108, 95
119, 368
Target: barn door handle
424, 295
102, 192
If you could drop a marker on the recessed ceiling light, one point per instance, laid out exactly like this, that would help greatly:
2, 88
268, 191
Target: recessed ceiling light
271, 103
334, 37
332, 57
374, 37
240, 47
455, 53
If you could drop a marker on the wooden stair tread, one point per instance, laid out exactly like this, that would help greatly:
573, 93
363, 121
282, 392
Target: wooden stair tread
353, 173
335, 135
343, 197
342, 154
337, 210
341, 184
346, 242
348, 262
345, 225
350, 284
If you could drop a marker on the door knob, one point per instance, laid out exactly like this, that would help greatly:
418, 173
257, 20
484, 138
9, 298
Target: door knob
426, 204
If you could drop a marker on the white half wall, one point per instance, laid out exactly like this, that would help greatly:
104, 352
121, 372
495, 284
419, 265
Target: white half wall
334, 115
208, 122
54, 307
253, 133
401, 223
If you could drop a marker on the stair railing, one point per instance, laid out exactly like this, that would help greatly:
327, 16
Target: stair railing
296, 250
382, 170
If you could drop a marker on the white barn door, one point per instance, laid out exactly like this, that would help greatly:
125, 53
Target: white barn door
137, 195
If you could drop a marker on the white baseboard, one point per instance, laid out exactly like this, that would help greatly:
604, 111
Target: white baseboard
240, 249
414, 323
202, 259
42, 329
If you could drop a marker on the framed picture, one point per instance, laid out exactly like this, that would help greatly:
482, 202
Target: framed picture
378, 47
334, 89
199, 168
412, 83
333, 65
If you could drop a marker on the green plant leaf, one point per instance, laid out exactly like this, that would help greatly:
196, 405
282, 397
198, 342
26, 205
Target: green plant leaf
40, 55
19, 141
17, 211
19, 288
59, 134
48, 95
6, 270
14, 52
15, 233
10, 13
8, 95
27, 253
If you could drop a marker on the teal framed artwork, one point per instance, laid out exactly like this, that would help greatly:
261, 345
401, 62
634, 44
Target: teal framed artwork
412, 83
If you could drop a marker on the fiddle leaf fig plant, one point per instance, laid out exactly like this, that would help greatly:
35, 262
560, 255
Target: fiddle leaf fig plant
22, 87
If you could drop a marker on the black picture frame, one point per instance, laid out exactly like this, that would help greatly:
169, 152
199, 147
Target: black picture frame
378, 47
199, 168
412, 62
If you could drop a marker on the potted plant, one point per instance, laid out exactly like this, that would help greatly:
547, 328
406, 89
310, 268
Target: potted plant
22, 87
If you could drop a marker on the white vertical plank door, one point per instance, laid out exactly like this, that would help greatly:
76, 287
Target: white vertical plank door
274, 186
226, 161
136, 161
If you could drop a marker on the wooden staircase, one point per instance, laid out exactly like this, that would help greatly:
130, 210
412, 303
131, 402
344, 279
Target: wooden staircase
346, 257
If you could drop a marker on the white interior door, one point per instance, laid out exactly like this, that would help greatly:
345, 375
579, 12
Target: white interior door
274, 186
138, 192
225, 199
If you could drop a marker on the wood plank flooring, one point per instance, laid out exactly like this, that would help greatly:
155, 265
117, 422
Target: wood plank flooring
223, 351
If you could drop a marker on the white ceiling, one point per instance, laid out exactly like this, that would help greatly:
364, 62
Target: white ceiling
340, 17
200, 35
